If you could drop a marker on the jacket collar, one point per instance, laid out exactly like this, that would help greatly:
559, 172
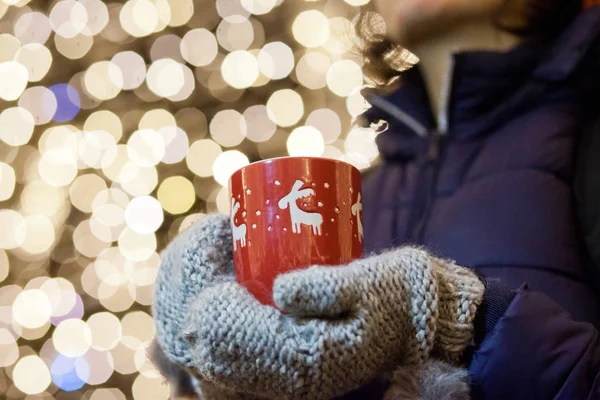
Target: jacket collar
486, 86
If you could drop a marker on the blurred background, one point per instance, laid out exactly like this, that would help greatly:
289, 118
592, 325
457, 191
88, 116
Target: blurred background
120, 124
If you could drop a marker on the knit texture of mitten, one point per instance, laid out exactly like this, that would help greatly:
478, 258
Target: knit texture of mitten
433, 300
346, 325
193, 260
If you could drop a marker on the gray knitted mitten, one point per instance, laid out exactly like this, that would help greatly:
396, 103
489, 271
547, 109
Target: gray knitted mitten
192, 261
347, 325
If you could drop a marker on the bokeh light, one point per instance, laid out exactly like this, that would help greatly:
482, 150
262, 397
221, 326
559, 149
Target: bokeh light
107, 394
176, 144
228, 128
94, 146
72, 338
9, 47
68, 18
31, 375
276, 60
361, 142
312, 69
32, 27
259, 7
16, 126
32, 309
40, 102
65, 302
145, 387
311, 28
132, 68
227, 163
106, 330
344, 77
36, 58
13, 80
356, 104
156, 118
202, 156
74, 48
259, 127
103, 80
86, 242
58, 167
9, 352
144, 214
7, 181
199, 47
232, 11
40, 198
176, 195
166, 46
305, 141
240, 69
235, 34
100, 367
68, 102
40, 234
98, 16
146, 147
285, 107
165, 77
181, 12
138, 247
122, 122
13, 230
104, 121
4, 268
341, 41
69, 373
139, 17
327, 122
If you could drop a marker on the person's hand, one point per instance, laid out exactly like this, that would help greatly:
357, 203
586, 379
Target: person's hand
347, 325
193, 260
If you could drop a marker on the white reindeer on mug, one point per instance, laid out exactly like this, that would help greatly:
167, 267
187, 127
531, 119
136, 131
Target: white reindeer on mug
299, 217
357, 210
239, 232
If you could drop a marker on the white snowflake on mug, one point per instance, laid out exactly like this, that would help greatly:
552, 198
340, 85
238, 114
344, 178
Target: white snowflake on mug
239, 232
300, 217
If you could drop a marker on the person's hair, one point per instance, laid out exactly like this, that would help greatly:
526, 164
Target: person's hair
384, 61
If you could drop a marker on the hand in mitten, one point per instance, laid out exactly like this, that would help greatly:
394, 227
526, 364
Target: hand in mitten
346, 325
192, 261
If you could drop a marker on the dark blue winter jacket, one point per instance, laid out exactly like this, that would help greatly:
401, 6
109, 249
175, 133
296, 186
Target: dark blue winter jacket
490, 185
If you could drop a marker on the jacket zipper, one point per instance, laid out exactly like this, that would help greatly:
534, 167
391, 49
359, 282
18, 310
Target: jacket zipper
432, 157
431, 161
429, 175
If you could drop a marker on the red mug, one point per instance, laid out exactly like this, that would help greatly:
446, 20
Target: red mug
290, 213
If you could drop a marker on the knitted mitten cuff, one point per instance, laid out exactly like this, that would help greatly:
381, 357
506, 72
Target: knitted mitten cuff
460, 293
443, 302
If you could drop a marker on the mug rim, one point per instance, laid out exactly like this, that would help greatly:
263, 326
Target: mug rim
270, 160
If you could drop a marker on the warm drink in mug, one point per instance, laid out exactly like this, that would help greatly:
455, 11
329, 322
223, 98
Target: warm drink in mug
290, 213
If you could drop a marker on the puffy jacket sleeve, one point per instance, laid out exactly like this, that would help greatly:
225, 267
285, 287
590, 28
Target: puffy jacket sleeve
537, 351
